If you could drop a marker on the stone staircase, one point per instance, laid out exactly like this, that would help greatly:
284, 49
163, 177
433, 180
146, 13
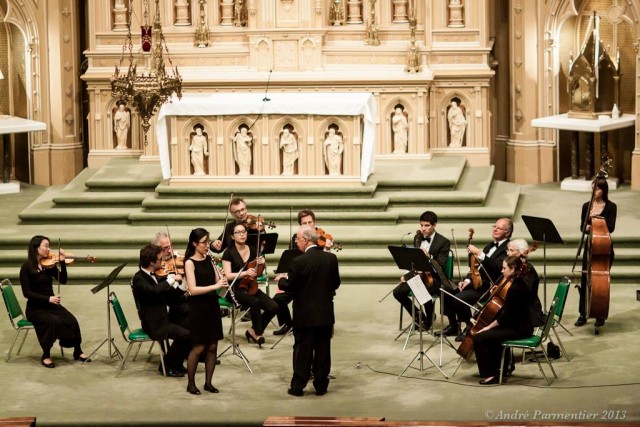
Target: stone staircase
110, 213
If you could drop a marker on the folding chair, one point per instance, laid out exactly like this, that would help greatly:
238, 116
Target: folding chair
533, 342
137, 336
17, 318
561, 295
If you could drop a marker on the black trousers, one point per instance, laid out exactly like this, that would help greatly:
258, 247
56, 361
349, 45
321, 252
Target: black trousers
283, 299
488, 348
458, 312
401, 294
261, 309
180, 347
312, 347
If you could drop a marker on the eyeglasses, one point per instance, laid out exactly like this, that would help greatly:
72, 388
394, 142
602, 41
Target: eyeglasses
239, 210
495, 227
240, 233
300, 238
205, 242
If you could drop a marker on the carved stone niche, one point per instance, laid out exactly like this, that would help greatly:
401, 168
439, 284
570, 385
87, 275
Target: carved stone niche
594, 78
286, 51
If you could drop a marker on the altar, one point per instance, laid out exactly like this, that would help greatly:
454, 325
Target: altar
233, 137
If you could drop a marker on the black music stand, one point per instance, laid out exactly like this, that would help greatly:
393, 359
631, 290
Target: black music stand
414, 259
542, 230
268, 242
105, 284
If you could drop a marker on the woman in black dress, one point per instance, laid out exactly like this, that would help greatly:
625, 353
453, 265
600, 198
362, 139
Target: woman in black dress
51, 320
261, 308
512, 322
205, 321
608, 210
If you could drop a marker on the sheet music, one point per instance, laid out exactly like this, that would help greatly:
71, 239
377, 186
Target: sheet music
418, 288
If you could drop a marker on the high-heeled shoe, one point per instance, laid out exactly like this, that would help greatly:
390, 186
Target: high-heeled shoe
193, 389
260, 341
491, 380
82, 359
211, 389
250, 338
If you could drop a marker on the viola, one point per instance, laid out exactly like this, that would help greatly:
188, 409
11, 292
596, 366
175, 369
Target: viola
474, 265
173, 265
52, 259
257, 223
324, 237
251, 285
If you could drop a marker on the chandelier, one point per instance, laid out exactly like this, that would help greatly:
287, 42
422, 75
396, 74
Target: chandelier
146, 91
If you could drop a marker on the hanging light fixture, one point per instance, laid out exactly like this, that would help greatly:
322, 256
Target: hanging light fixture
146, 91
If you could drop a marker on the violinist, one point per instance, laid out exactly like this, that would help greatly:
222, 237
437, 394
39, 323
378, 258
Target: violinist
512, 322
261, 308
601, 206
490, 263
176, 298
150, 293
238, 209
306, 218
50, 319
435, 245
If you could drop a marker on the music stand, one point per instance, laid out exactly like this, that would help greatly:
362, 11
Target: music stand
414, 259
105, 284
269, 240
542, 230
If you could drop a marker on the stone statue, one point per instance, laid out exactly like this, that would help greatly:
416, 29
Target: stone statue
202, 30
333, 149
336, 13
457, 124
199, 150
400, 127
121, 125
243, 142
289, 146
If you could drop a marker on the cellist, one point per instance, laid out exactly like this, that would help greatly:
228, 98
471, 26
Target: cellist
603, 207
512, 322
490, 263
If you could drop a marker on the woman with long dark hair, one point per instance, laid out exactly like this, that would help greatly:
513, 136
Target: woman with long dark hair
205, 321
50, 319
512, 322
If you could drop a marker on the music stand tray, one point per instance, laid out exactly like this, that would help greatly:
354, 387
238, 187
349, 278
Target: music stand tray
542, 230
105, 284
269, 240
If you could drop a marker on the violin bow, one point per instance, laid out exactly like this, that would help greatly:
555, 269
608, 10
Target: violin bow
455, 247
170, 241
58, 268
226, 218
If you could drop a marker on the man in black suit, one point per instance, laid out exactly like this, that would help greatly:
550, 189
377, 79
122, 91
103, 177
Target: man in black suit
434, 245
312, 279
490, 259
150, 295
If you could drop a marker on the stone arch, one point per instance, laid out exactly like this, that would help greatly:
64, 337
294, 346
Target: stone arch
300, 133
188, 131
445, 104
389, 110
230, 133
325, 125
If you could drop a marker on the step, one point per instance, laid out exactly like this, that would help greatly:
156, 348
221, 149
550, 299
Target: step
443, 172
126, 173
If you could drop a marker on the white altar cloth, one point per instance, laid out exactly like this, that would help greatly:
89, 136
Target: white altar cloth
232, 103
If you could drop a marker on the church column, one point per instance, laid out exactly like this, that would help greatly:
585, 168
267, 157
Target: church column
525, 155
635, 155
61, 160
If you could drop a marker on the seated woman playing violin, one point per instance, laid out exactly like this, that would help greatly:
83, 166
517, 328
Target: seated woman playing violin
50, 319
513, 321
235, 262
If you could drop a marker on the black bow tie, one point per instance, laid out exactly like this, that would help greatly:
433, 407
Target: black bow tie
495, 244
425, 239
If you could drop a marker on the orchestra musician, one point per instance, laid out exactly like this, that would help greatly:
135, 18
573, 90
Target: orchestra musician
435, 245
512, 322
205, 321
176, 298
603, 207
150, 293
306, 218
520, 248
490, 259
50, 319
261, 307
238, 209
313, 278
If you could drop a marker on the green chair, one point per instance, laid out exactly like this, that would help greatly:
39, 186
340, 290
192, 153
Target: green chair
17, 318
561, 295
137, 336
534, 342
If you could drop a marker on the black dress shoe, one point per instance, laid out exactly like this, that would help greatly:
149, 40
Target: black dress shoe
295, 392
581, 321
449, 331
211, 389
284, 329
460, 337
321, 392
180, 369
599, 322
493, 380
171, 372
47, 365
193, 389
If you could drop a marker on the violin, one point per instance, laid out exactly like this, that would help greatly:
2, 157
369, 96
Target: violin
474, 265
173, 265
257, 223
324, 237
52, 259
